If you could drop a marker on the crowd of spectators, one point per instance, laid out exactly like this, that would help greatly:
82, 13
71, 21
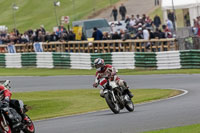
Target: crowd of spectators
138, 27
37, 35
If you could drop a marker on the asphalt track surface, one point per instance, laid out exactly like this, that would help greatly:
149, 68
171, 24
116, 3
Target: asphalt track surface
179, 111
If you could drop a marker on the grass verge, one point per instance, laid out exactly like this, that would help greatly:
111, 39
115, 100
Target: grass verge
185, 129
33, 13
49, 104
56, 72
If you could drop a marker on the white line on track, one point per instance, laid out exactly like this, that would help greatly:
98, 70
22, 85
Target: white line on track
182, 94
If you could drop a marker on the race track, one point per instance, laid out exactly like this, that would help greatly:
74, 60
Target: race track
174, 112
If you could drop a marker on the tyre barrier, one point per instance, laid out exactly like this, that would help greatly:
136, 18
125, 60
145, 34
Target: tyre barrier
120, 60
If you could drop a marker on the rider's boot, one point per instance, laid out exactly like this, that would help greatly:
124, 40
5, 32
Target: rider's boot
127, 91
25, 118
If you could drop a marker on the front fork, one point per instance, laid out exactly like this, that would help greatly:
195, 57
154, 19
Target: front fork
4, 123
106, 91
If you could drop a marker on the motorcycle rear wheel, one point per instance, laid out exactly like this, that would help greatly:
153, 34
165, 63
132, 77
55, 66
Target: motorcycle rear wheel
113, 106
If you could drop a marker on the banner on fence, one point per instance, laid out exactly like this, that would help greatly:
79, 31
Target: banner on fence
78, 32
11, 48
38, 47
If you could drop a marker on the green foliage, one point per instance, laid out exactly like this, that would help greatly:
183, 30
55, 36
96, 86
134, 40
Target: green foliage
48, 104
33, 13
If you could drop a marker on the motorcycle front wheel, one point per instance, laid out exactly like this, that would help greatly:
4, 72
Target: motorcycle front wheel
129, 105
112, 105
29, 128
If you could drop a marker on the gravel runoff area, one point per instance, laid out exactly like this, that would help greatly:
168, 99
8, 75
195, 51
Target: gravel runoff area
133, 7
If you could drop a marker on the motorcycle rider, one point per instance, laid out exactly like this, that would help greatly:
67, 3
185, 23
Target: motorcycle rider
5, 97
105, 72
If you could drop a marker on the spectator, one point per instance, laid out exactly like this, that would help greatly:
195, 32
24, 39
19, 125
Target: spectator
170, 25
132, 21
25, 38
187, 19
122, 11
157, 2
42, 29
54, 37
124, 35
195, 27
61, 29
71, 36
198, 25
157, 21
139, 34
145, 34
16, 31
127, 20
144, 18
114, 13
105, 36
115, 36
47, 37
97, 34
167, 32
151, 34
39, 37
137, 18
171, 17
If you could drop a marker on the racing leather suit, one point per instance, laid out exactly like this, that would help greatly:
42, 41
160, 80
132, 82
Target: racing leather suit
16, 104
108, 72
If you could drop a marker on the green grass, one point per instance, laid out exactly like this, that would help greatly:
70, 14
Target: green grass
33, 13
185, 129
55, 72
48, 104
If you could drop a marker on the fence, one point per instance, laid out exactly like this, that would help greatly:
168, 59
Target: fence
120, 60
153, 45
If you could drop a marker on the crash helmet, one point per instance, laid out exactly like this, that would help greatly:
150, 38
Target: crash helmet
99, 64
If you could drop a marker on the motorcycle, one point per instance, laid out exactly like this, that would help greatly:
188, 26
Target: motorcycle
7, 126
116, 99
10, 120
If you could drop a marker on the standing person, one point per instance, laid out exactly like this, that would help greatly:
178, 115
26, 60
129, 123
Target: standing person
122, 11
157, 2
114, 13
137, 18
157, 21
170, 26
171, 16
97, 34
198, 25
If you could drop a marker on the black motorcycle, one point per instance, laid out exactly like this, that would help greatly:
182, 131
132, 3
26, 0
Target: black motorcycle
116, 98
7, 125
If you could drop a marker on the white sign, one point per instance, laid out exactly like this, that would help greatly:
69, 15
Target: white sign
66, 19
11, 48
38, 47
